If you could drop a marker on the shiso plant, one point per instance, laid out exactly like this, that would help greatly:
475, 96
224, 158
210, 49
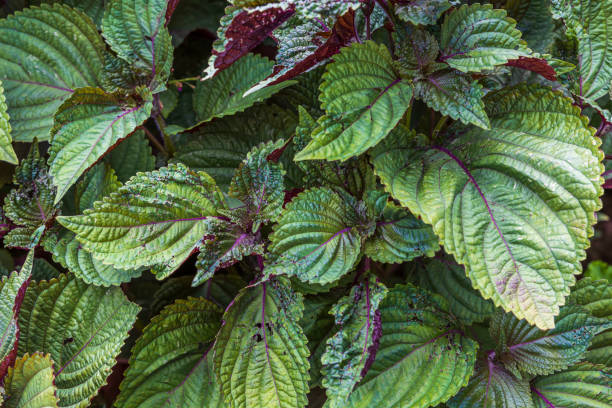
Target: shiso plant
291, 203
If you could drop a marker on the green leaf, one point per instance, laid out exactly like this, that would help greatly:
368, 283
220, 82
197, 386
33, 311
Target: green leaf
98, 182
447, 278
455, 95
422, 359
317, 237
156, 219
525, 348
349, 349
82, 327
29, 384
400, 237
12, 289
223, 94
364, 97
131, 155
6, 142
530, 212
86, 126
584, 385
30, 205
170, 364
593, 295
258, 183
492, 386
477, 37
261, 356
49, 51
600, 351
421, 12
136, 31
599, 270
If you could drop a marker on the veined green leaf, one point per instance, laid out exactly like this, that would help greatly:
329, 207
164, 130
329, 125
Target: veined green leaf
136, 31
86, 126
261, 356
365, 96
317, 237
29, 384
49, 51
171, 363
156, 219
400, 237
525, 348
82, 327
600, 351
6, 142
593, 295
584, 385
445, 277
223, 94
12, 290
98, 182
530, 212
422, 359
422, 12
477, 37
349, 350
131, 155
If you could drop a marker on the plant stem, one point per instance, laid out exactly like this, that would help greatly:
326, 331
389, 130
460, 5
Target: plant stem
181, 80
154, 140
438, 127
161, 127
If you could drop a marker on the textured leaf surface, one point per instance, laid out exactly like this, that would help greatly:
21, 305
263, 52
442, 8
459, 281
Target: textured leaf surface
530, 212
477, 37
593, 295
525, 348
421, 12
130, 156
400, 237
447, 278
170, 365
316, 238
86, 126
583, 386
48, 53
261, 358
29, 384
135, 30
349, 349
365, 97
6, 142
600, 351
454, 95
422, 360
82, 327
224, 94
156, 219
492, 386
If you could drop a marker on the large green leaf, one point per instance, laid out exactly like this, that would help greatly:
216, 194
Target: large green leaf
29, 384
223, 94
86, 126
82, 327
170, 365
317, 237
48, 52
477, 37
600, 351
582, 386
525, 348
422, 359
156, 219
261, 356
364, 96
444, 276
6, 142
349, 350
136, 31
518, 217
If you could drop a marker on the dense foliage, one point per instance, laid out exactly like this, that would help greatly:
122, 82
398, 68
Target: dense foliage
290, 203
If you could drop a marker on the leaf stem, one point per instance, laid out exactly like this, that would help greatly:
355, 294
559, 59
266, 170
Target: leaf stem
161, 127
436, 130
154, 140
181, 80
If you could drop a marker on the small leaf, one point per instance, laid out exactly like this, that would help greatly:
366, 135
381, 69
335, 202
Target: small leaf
477, 37
261, 356
350, 348
86, 126
366, 98
421, 12
317, 237
30, 383
171, 363
6, 142
82, 327
156, 219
